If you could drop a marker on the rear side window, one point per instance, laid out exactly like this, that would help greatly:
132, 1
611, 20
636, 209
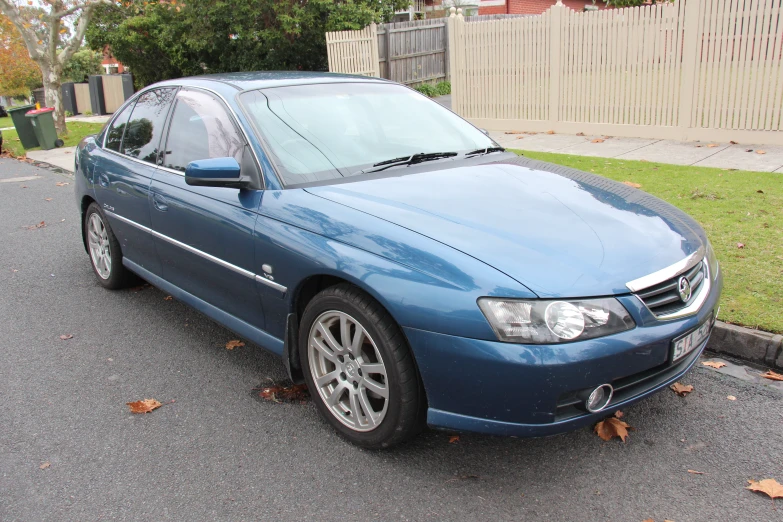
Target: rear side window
114, 136
200, 129
145, 127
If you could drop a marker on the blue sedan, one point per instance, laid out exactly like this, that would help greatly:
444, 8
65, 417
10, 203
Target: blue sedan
400, 262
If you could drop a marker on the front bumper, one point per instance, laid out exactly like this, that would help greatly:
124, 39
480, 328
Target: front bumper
529, 390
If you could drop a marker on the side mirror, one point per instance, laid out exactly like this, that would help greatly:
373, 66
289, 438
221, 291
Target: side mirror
215, 172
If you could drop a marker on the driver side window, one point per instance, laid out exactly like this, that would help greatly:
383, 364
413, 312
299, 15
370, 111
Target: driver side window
200, 129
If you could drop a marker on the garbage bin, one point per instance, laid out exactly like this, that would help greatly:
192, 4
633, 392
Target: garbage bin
43, 123
24, 128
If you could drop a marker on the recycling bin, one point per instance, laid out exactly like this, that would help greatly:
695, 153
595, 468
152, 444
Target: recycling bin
43, 123
24, 127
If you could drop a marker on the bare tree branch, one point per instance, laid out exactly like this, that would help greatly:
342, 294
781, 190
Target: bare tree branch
76, 41
78, 7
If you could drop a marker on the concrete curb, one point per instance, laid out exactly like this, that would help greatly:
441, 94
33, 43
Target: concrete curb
750, 345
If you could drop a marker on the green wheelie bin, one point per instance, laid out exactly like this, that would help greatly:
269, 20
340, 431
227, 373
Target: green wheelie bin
43, 123
24, 128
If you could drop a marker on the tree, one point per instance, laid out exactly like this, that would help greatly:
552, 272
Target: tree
45, 29
82, 64
166, 39
18, 73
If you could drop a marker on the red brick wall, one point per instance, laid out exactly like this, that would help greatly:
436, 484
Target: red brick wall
535, 6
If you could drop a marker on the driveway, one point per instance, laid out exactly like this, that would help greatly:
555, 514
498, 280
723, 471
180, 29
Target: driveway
215, 451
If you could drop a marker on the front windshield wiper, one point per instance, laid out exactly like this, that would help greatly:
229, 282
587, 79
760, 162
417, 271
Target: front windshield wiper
408, 160
485, 150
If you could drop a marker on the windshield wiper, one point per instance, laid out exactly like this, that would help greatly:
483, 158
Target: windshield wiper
486, 150
408, 160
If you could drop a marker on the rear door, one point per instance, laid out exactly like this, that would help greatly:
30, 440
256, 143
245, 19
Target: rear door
124, 173
204, 235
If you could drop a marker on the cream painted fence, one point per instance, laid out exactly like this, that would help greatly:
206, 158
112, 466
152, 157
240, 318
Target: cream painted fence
354, 52
690, 70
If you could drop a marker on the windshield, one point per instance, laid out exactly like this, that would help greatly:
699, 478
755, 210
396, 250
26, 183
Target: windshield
328, 131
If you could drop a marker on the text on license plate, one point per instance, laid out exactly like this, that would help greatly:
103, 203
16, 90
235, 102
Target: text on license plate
685, 345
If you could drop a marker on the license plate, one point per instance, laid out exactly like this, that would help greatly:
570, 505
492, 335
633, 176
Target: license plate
690, 341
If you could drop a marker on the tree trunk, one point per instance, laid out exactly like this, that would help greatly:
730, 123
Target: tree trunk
54, 96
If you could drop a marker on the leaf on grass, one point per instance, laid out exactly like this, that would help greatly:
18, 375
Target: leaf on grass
731, 397
694, 472
597, 140
235, 343
65, 337
770, 487
772, 376
612, 427
714, 364
632, 184
280, 393
145, 406
44, 465
454, 439
681, 389
168, 298
760, 191
62, 183
740, 245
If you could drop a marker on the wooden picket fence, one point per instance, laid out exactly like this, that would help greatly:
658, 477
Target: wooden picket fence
354, 52
691, 70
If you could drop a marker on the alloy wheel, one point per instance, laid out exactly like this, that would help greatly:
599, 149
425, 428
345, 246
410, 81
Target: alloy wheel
100, 250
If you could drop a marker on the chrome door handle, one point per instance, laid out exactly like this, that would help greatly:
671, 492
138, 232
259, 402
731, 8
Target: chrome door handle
103, 180
160, 203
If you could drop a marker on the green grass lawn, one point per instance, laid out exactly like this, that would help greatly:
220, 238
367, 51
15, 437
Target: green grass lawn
733, 207
76, 131
6, 122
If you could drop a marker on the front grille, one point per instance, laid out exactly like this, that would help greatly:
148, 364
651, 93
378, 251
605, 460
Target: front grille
664, 298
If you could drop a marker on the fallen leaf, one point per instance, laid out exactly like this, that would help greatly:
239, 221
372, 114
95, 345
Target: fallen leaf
770, 487
65, 337
62, 183
236, 343
712, 145
648, 520
748, 150
44, 465
695, 472
39, 225
168, 298
453, 439
731, 397
515, 132
760, 191
550, 132
23, 186
140, 287
145, 406
632, 184
520, 137
280, 393
761, 152
47, 199
733, 142
714, 364
618, 414
740, 245
772, 376
612, 427
580, 133
681, 389
598, 140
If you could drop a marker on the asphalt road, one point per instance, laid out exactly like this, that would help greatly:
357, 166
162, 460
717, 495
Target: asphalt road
215, 451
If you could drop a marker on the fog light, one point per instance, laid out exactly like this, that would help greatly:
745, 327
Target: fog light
599, 398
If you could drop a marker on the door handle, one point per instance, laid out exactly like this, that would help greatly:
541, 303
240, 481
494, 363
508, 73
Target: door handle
103, 180
160, 202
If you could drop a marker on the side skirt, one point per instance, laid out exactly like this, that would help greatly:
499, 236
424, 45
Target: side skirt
240, 327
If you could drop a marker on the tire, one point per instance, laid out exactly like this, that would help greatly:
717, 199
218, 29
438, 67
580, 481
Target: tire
382, 362
111, 274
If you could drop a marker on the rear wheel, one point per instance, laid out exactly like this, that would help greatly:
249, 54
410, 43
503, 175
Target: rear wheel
359, 368
104, 250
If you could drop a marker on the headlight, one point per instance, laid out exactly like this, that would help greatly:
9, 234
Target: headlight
712, 261
549, 322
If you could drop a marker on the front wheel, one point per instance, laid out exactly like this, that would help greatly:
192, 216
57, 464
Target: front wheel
359, 368
104, 250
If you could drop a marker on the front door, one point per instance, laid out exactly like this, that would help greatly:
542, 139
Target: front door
204, 235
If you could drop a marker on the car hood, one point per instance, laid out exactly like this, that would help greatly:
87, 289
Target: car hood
559, 232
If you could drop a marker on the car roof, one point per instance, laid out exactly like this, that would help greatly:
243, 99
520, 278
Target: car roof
243, 81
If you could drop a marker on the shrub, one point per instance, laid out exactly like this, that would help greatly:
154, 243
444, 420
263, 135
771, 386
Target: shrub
68, 114
427, 89
443, 88
87, 113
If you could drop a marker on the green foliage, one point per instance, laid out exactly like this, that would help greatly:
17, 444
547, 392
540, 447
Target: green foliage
82, 64
427, 89
632, 3
443, 88
68, 114
160, 40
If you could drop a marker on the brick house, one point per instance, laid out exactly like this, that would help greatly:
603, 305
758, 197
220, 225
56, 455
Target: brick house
530, 6
110, 64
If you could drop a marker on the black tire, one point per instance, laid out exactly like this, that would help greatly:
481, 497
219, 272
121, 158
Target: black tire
404, 416
118, 276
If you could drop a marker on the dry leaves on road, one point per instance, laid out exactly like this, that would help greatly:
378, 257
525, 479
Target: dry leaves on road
694, 472
62, 183
632, 184
681, 389
65, 337
453, 439
168, 298
618, 414
145, 406
772, 376
580, 133
731, 397
550, 132
515, 132
47, 199
597, 140
280, 393
44, 465
761, 152
769, 487
39, 225
712, 145
235, 343
714, 364
612, 427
